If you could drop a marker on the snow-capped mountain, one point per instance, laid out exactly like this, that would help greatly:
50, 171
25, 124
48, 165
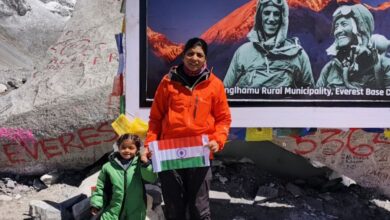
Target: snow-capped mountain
233, 27
163, 47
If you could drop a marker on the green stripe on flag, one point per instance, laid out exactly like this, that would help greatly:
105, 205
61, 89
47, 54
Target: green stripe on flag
182, 163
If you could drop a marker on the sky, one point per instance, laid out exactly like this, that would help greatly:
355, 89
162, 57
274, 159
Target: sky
202, 14
199, 13
373, 2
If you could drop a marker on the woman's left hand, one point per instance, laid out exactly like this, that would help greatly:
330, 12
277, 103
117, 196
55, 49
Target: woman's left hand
213, 145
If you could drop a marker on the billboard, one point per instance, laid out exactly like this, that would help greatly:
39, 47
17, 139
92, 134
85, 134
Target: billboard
283, 63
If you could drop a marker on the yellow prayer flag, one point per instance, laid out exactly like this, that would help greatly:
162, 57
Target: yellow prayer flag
258, 134
387, 132
139, 127
123, 125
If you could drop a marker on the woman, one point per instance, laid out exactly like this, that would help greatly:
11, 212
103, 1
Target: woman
190, 101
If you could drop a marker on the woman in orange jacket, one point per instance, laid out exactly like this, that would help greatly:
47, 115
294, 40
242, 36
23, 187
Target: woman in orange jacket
190, 101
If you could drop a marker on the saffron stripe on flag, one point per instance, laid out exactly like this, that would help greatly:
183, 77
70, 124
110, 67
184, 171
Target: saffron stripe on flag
180, 142
183, 163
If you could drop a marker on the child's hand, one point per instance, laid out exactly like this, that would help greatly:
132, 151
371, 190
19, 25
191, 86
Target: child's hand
94, 211
145, 154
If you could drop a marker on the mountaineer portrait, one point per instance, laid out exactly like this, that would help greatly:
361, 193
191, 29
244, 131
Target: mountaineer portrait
270, 59
356, 62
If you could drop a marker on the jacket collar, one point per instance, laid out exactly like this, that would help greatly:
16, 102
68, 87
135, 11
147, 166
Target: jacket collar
114, 158
176, 73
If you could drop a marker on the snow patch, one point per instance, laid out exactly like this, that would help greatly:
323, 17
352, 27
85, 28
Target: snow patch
57, 8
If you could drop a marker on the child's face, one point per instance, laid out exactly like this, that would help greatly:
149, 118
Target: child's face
127, 149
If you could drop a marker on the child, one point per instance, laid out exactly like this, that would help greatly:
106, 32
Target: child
119, 190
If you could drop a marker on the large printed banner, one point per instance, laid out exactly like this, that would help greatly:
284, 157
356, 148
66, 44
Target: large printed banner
324, 59
276, 52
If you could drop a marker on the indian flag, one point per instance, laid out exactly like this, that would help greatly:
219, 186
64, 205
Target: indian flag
180, 153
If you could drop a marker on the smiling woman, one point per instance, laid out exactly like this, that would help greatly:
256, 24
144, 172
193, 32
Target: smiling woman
190, 101
194, 59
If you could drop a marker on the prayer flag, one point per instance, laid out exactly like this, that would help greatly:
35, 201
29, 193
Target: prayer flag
123, 125
180, 153
258, 134
387, 133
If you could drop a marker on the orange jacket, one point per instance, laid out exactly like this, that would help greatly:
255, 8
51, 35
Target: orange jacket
179, 111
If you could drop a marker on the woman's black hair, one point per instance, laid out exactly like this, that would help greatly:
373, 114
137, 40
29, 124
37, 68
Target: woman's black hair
193, 42
135, 138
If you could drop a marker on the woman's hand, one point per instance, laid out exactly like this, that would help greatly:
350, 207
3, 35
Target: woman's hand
94, 211
213, 145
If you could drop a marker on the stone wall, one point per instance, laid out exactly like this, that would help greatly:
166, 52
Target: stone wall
362, 155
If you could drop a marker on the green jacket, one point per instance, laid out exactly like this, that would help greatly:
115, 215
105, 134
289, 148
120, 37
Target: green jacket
120, 192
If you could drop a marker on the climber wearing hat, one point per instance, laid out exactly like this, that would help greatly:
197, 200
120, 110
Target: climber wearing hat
355, 61
270, 59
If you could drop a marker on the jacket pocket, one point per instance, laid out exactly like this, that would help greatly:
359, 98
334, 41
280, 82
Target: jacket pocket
177, 111
202, 108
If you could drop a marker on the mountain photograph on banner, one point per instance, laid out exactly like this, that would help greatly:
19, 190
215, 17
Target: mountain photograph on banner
224, 25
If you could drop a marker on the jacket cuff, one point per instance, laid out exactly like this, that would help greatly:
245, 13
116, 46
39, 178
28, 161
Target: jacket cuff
145, 165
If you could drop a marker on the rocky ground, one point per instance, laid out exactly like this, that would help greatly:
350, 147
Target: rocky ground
16, 193
240, 191
256, 194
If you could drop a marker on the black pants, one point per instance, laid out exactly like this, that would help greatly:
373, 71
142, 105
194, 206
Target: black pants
186, 189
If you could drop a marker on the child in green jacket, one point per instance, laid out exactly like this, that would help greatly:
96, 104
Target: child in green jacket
120, 191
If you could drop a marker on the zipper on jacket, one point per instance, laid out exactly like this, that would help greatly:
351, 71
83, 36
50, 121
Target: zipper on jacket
186, 84
254, 72
124, 194
196, 106
196, 83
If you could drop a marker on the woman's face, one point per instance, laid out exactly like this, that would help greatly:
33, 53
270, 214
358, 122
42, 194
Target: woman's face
194, 59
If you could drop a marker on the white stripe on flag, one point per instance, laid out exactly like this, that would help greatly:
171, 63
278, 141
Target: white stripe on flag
179, 153
155, 156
